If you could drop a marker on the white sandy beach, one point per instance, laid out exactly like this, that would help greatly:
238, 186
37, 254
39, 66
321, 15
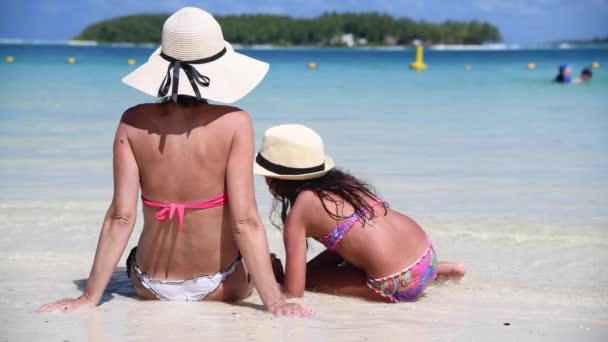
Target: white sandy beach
519, 288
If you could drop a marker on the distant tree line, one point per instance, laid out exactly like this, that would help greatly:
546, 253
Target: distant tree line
368, 28
593, 41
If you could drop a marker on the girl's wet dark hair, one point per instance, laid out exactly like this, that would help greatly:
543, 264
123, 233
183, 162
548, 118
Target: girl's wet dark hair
336, 187
183, 100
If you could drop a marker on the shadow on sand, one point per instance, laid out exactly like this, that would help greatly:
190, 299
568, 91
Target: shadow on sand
119, 284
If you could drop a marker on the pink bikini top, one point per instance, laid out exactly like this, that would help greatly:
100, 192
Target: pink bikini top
172, 208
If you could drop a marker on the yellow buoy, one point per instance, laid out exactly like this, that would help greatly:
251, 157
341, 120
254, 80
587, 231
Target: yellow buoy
10, 59
131, 61
595, 65
72, 60
312, 65
418, 63
468, 67
531, 66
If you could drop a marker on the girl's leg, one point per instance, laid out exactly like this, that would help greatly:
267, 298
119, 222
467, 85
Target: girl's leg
450, 270
326, 273
277, 268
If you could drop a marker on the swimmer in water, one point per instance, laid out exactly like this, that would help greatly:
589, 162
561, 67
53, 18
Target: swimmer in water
585, 76
564, 75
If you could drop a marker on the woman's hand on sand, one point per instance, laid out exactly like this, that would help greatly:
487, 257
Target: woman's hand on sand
283, 308
68, 305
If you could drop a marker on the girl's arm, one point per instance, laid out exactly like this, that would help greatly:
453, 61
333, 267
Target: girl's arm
294, 238
115, 231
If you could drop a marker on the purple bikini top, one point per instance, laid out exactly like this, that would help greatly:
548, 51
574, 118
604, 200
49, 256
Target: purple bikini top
332, 239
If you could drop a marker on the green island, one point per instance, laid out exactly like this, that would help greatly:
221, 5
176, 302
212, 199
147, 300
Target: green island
584, 42
329, 29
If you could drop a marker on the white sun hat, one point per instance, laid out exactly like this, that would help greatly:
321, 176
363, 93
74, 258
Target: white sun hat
293, 152
195, 60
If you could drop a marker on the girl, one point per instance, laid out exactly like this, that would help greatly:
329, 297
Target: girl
373, 252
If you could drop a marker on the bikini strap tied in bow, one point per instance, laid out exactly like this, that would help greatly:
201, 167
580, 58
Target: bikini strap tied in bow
196, 78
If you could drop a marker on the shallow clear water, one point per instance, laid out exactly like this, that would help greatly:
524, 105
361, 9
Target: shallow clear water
507, 171
498, 144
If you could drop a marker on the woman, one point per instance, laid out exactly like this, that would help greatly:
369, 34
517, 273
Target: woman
193, 162
373, 252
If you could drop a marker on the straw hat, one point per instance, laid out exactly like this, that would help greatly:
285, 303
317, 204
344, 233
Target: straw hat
195, 60
293, 152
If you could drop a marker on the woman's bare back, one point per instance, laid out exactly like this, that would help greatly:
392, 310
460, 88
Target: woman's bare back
182, 153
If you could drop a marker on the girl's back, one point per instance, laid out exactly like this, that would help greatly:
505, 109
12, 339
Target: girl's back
384, 245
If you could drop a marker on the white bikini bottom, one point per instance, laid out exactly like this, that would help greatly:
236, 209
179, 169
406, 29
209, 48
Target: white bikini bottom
193, 289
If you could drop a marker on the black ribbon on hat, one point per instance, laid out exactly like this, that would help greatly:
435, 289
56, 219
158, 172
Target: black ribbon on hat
286, 170
195, 77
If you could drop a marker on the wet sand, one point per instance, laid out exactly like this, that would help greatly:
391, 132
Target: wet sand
517, 288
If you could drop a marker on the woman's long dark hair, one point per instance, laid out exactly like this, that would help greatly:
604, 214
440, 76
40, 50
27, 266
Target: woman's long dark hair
336, 187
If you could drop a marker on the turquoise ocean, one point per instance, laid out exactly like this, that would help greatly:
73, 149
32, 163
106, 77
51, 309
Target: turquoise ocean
498, 142
506, 170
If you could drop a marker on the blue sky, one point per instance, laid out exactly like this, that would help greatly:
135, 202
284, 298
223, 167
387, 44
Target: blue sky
520, 21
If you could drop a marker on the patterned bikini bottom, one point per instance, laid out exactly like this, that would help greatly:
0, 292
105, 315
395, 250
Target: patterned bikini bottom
408, 285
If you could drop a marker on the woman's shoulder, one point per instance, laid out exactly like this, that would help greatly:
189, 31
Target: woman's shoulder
143, 107
233, 113
147, 110
139, 110
226, 109
233, 118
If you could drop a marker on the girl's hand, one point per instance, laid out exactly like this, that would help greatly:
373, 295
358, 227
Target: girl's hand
68, 305
283, 308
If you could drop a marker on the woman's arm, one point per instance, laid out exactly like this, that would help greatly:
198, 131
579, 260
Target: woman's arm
115, 231
248, 230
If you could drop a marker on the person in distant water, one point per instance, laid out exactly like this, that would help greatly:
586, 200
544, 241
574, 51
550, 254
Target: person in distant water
585, 76
373, 252
564, 74
202, 235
